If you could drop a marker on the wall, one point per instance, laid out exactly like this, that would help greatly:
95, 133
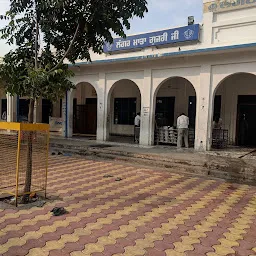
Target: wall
239, 84
235, 27
124, 89
83, 91
56, 109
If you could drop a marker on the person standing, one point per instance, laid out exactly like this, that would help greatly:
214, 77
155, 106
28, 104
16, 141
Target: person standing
182, 125
4, 116
137, 128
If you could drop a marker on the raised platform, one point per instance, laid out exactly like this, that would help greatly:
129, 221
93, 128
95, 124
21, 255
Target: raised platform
233, 164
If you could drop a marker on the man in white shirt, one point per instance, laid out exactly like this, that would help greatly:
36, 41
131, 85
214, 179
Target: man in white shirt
137, 128
182, 125
137, 120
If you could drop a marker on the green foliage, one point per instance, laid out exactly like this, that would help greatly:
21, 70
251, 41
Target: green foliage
46, 32
20, 77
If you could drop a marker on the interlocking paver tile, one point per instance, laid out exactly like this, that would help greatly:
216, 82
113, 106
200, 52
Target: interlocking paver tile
149, 213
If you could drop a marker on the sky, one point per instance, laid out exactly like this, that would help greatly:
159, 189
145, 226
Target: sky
162, 14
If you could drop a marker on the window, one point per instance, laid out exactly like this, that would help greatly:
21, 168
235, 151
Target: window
124, 111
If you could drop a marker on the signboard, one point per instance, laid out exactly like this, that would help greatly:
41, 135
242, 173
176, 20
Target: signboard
227, 5
164, 37
146, 111
55, 124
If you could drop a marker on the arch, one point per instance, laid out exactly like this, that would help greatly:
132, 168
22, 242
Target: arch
84, 104
170, 78
92, 84
221, 72
230, 96
180, 96
229, 76
122, 89
115, 84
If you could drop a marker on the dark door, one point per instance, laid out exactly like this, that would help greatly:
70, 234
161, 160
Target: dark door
46, 110
246, 121
247, 125
192, 111
91, 115
217, 107
165, 111
85, 117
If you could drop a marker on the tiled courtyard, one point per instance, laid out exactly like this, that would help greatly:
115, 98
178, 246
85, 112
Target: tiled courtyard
145, 212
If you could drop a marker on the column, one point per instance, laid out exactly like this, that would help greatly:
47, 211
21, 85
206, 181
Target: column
204, 111
106, 110
11, 108
101, 120
147, 113
67, 115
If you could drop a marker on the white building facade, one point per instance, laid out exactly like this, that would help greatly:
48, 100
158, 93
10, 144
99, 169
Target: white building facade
203, 70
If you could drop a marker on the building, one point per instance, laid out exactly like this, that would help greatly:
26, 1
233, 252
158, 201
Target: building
205, 70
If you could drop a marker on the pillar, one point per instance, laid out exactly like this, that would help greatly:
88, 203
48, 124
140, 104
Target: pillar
11, 108
67, 115
101, 126
147, 111
204, 111
106, 110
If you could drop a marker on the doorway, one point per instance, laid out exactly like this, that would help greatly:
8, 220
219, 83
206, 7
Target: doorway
85, 110
246, 127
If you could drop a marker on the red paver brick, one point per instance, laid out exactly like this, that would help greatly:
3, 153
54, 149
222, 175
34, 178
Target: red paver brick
200, 250
154, 252
163, 245
34, 243
110, 250
16, 251
71, 247
135, 235
58, 253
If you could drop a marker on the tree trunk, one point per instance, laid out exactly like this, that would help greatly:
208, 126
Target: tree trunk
28, 180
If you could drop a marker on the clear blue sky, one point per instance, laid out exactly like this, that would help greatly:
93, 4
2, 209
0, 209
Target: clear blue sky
162, 14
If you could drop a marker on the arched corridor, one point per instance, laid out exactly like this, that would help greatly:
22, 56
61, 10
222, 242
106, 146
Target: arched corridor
235, 107
174, 96
124, 101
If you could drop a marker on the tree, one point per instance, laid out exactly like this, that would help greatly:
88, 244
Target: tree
46, 32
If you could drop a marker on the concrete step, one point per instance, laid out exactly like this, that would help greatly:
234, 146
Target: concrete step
235, 170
